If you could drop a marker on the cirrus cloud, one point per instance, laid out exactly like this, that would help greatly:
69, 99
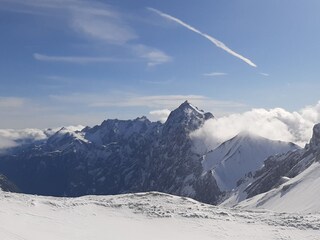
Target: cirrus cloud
73, 59
98, 22
214, 74
213, 40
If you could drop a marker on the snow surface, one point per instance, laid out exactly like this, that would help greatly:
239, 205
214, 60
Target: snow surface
299, 194
244, 153
143, 216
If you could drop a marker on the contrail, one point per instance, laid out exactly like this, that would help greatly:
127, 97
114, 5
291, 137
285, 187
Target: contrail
211, 39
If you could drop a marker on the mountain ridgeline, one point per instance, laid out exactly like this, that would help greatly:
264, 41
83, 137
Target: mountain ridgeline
127, 156
117, 157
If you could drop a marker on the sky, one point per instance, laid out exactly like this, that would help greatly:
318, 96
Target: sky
70, 62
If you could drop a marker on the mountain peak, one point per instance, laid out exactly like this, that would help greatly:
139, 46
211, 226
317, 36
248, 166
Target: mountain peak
315, 140
186, 102
142, 119
187, 105
188, 109
187, 116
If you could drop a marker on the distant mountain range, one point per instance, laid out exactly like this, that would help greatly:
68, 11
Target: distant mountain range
125, 156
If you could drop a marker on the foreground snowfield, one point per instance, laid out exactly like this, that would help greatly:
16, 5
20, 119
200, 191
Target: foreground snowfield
143, 216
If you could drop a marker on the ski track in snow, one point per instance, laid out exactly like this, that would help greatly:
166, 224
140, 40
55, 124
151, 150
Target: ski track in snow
143, 216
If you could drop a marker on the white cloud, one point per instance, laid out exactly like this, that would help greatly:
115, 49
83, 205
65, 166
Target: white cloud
156, 57
109, 28
20, 113
265, 74
92, 19
216, 42
11, 138
11, 102
214, 74
120, 99
164, 82
151, 55
98, 22
277, 124
73, 59
159, 115
6, 143
15, 137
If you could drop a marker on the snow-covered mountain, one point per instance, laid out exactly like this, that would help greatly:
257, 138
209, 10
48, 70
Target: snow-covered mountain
288, 182
117, 157
240, 157
125, 156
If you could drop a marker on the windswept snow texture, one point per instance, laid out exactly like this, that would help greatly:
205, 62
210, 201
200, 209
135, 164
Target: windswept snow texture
143, 216
299, 194
240, 156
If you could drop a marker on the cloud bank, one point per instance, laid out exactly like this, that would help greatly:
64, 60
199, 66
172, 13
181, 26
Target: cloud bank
12, 138
215, 41
15, 137
276, 124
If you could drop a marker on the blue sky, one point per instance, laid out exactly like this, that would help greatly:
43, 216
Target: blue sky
69, 62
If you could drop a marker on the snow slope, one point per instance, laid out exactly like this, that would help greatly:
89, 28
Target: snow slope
243, 154
299, 194
289, 182
143, 216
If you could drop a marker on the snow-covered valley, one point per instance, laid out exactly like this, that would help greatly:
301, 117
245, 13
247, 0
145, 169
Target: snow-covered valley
143, 216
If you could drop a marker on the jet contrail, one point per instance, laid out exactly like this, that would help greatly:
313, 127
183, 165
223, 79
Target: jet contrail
211, 39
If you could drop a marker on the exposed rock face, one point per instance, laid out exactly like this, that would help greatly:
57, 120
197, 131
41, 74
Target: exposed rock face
6, 185
270, 175
176, 167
